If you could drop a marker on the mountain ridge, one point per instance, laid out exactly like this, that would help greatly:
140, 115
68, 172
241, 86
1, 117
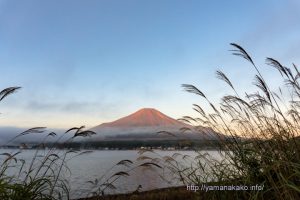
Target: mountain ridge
144, 117
150, 124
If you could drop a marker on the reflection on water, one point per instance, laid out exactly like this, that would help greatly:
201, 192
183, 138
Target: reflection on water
99, 164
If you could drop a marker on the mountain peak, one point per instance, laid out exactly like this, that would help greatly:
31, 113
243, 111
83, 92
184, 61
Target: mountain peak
144, 117
150, 111
145, 124
147, 109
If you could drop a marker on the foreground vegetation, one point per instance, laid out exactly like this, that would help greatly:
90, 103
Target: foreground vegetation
261, 147
44, 177
269, 157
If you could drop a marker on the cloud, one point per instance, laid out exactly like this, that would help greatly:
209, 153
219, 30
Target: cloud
83, 107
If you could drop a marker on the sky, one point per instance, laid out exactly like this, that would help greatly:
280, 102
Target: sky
94, 61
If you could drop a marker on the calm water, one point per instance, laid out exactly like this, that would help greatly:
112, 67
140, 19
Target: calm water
98, 163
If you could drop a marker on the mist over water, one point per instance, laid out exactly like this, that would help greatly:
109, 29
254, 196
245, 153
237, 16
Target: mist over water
7, 133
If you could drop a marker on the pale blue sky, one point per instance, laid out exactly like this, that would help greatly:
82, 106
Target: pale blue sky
88, 62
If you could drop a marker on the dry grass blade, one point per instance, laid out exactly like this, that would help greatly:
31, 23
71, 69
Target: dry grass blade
10, 157
6, 154
34, 130
122, 173
84, 133
85, 152
199, 109
28, 131
188, 118
193, 89
185, 120
239, 51
125, 162
289, 71
166, 133
72, 151
184, 129
52, 134
144, 158
168, 159
75, 128
295, 67
7, 91
175, 155
233, 99
186, 156
222, 76
142, 151
213, 107
260, 83
150, 164
274, 63
109, 185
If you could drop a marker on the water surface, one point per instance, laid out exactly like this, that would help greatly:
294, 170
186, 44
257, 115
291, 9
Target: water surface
102, 163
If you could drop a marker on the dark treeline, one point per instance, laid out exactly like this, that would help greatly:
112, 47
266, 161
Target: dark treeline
136, 144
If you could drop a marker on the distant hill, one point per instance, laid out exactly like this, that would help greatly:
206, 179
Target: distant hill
145, 124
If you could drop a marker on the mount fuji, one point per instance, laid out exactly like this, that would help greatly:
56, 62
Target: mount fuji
149, 124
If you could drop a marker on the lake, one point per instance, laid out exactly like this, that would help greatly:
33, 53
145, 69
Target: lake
102, 163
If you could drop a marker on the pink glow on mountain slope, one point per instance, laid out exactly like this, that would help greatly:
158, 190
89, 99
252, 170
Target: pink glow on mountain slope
143, 118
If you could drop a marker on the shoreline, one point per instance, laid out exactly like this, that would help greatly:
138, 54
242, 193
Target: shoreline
171, 193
